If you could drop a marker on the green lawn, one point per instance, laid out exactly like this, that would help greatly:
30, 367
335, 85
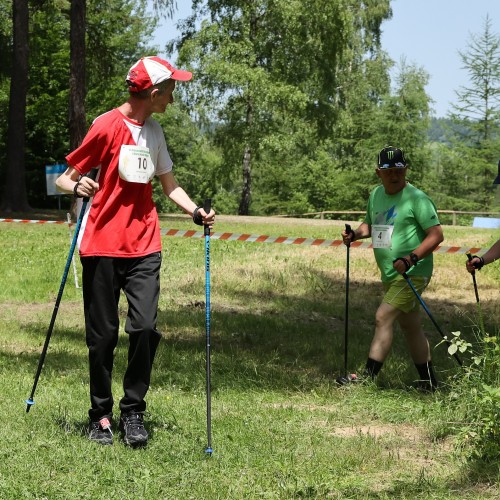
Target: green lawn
281, 428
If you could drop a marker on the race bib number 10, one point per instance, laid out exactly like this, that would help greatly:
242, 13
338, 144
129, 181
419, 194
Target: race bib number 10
382, 236
135, 164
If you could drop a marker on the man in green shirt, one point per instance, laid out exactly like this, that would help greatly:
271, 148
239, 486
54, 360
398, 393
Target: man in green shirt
403, 224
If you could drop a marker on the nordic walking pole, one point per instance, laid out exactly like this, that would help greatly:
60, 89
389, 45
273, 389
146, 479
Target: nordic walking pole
30, 402
347, 377
206, 232
75, 275
346, 324
422, 303
473, 273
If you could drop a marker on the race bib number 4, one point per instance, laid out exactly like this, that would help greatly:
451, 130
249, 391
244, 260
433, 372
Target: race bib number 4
135, 164
382, 236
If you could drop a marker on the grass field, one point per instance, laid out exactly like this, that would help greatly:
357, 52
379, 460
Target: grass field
281, 428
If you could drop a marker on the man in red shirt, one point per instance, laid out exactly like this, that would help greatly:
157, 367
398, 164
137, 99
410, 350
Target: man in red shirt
119, 240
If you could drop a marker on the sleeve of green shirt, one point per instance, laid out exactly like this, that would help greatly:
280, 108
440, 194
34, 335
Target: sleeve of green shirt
368, 218
425, 212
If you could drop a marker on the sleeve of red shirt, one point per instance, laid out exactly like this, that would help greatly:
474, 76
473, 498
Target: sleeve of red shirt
93, 148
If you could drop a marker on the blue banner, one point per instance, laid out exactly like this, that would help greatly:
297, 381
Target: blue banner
52, 172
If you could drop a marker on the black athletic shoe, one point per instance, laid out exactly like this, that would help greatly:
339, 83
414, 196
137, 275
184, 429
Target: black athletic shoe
350, 378
426, 386
132, 428
100, 431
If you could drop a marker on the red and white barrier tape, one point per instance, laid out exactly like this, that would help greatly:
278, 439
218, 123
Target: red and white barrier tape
255, 238
27, 221
287, 240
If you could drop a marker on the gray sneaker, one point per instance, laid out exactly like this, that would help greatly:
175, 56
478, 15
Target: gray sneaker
100, 431
132, 428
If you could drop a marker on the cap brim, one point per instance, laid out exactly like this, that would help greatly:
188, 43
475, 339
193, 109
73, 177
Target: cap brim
181, 75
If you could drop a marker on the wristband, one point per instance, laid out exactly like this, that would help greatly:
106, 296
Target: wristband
75, 190
406, 262
197, 218
414, 258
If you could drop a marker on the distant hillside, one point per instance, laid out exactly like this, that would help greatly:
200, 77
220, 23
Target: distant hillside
438, 128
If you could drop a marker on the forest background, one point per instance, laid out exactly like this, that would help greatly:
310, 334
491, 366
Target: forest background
290, 103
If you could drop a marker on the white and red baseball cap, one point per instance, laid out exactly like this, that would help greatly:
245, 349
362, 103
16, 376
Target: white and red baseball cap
152, 70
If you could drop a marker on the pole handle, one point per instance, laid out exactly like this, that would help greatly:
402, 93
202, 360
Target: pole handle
91, 175
473, 273
469, 256
348, 230
207, 206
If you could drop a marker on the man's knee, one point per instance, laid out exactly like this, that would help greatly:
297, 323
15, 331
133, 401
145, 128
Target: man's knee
385, 315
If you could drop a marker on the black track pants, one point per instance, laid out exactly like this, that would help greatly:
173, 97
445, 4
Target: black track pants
103, 279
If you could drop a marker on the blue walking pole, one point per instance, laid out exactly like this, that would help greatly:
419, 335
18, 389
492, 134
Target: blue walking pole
422, 303
30, 401
207, 208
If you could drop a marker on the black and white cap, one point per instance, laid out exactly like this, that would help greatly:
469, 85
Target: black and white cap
391, 157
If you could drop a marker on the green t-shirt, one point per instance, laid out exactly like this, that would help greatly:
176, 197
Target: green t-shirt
398, 224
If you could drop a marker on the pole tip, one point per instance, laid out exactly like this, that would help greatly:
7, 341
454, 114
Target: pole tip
209, 451
29, 404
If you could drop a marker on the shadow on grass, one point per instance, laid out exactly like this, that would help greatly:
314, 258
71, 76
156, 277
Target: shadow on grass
291, 343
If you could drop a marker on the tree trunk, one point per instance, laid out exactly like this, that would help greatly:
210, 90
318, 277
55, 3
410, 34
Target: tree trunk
246, 193
15, 197
77, 123
247, 182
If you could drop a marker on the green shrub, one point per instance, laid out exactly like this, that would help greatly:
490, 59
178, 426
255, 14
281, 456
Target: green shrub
476, 396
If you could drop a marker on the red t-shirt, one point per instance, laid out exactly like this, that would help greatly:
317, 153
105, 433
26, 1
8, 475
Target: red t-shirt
122, 220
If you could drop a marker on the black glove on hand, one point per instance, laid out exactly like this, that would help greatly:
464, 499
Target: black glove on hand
478, 265
197, 218
405, 261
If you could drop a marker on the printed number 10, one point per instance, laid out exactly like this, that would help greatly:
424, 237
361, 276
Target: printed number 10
143, 163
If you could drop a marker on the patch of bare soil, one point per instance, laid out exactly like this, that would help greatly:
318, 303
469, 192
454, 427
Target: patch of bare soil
69, 314
402, 442
23, 312
378, 430
306, 407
